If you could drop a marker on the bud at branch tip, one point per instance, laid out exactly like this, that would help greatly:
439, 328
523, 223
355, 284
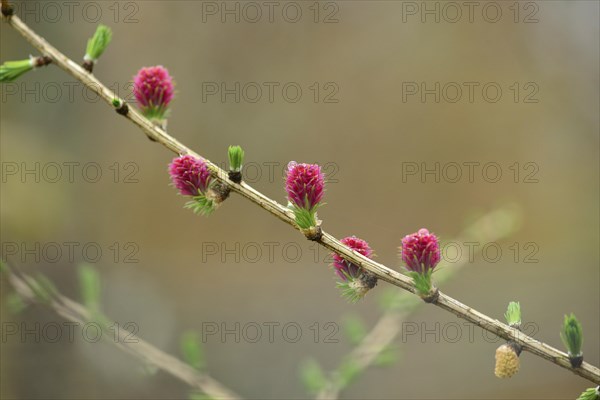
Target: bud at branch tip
11, 70
236, 162
96, 46
590, 394
513, 314
572, 337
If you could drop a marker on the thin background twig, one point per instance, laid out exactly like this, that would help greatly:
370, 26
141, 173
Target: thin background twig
125, 341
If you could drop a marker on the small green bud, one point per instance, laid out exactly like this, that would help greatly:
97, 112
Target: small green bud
98, 43
572, 337
312, 376
192, 350
15, 303
513, 314
590, 394
11, 70
387, 356
236, 158
89, 282
349, 370
355, 329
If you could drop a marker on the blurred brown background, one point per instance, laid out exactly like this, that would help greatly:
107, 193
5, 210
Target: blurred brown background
368, 136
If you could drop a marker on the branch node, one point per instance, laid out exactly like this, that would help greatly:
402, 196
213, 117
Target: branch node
88, 65
219, 192
314, 233
122, 109
576, 361
368, 279
42, 61
515, 346
235, 176
7, 9
432, 296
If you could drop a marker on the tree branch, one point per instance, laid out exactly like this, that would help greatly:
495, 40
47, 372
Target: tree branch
382, 272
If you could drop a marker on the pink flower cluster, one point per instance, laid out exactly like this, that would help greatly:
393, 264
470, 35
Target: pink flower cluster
420, 251
153, 89
305, 185
190, 175
345, 269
